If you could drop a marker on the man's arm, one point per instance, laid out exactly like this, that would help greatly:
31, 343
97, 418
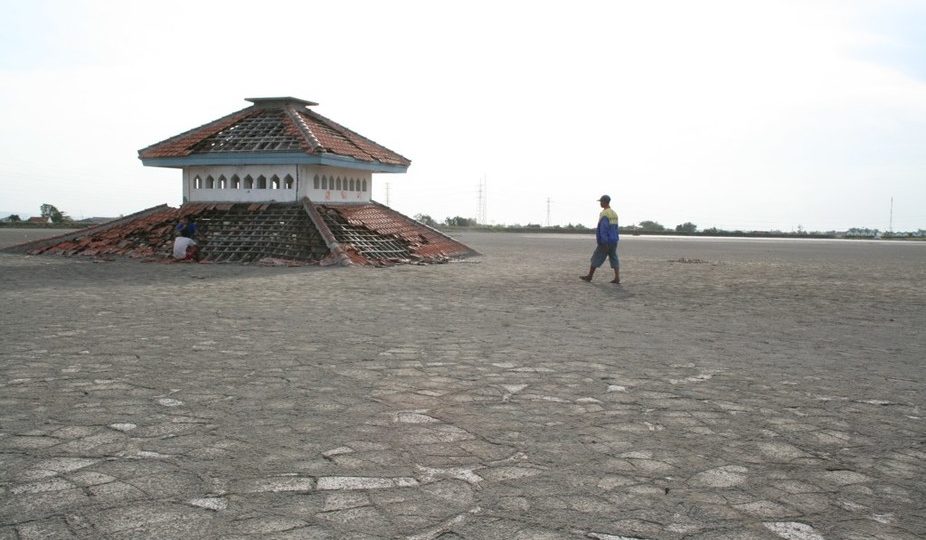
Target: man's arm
601, 233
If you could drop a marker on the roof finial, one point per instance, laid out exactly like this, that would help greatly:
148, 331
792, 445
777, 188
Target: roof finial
277, 102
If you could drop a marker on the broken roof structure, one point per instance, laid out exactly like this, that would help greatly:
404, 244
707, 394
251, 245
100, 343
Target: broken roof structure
273, 181
279, 131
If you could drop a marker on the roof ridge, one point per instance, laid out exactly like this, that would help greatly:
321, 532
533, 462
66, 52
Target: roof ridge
314, 144
217, 122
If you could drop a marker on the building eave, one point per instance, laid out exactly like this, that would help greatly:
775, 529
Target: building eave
278, 158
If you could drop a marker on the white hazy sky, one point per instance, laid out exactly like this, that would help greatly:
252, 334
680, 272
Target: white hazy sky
743, 114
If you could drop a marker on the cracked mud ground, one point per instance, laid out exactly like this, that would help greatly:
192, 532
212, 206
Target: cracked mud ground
730, 389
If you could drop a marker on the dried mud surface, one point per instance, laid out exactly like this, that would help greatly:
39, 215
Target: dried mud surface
729, 389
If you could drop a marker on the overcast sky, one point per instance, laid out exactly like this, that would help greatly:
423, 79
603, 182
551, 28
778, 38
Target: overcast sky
741, 114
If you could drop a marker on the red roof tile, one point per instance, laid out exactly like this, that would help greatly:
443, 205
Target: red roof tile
424, 242
182, 144
337, 139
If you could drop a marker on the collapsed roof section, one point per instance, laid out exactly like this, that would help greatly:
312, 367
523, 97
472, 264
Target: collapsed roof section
274, 130
280, 233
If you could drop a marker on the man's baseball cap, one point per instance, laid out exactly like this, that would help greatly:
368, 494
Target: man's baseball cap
604, 198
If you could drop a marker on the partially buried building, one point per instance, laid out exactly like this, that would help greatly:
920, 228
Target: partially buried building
275, 181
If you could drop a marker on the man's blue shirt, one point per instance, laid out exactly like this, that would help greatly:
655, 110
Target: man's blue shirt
607, 232
189, 230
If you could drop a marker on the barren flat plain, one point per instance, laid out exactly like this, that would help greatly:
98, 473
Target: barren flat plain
741, 389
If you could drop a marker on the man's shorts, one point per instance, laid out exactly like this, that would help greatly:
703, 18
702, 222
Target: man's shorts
606, 251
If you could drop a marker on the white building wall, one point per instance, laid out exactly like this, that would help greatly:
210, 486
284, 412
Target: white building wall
335, 185
197, 181
321, 184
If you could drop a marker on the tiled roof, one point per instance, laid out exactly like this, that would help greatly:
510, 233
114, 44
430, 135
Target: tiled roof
267, 131
422, 241
182, 144
370, 234
337, 139
143, 234
274, 125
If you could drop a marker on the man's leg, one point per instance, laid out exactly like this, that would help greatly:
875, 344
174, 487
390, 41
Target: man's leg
588, 277
615, 264
598, 257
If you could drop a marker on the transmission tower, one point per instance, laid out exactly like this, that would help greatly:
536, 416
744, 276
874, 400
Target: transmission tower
481, 216
479, 204
548, 211
890, 226
387, 194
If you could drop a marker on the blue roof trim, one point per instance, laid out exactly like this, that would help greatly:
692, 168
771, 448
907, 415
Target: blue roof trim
278, 158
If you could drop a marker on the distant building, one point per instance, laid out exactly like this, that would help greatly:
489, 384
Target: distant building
39, 220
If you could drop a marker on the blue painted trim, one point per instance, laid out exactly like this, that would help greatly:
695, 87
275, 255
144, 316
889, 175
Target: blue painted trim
281, 158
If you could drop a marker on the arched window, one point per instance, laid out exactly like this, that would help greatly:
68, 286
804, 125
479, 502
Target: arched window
288, 182
324, 182
248, 182
210, 182
235, 182
315, 182
223, 183
197, 182
261, 182
274, 182
364, 184
352, 184
338, 183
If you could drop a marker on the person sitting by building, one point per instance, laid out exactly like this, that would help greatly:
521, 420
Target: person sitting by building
185, 246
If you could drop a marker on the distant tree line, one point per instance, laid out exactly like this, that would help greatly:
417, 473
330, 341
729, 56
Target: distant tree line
459, 221
654, 227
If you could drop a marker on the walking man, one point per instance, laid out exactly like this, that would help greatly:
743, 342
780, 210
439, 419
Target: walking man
607, 236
